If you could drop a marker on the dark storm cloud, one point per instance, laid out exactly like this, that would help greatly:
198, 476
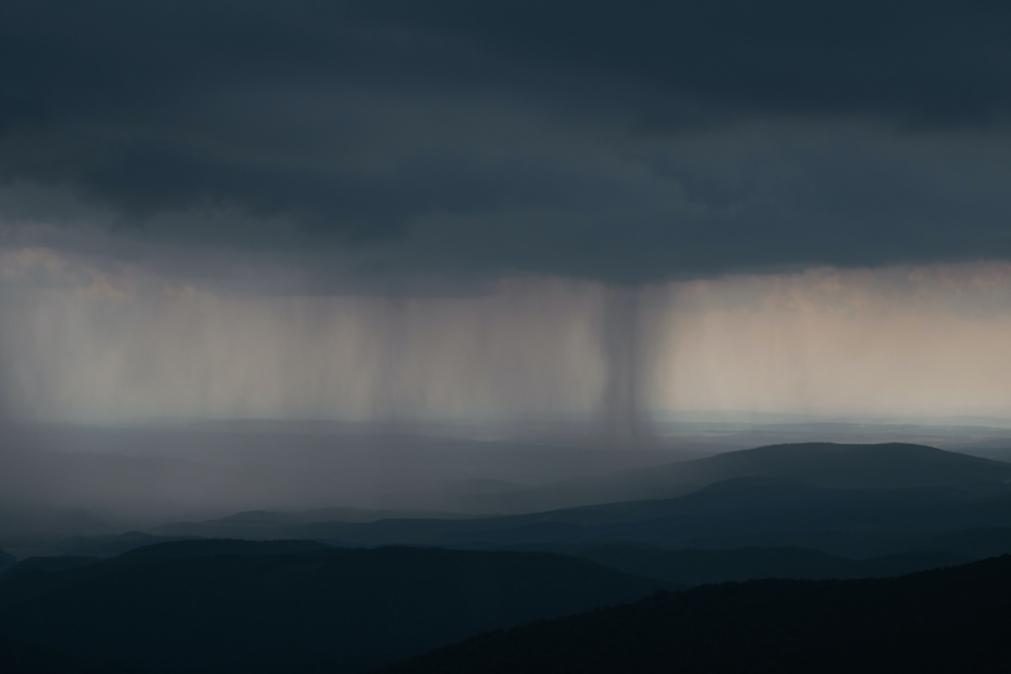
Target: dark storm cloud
916, 61
618, 141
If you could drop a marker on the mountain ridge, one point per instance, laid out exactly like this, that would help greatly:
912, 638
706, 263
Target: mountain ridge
250, 606
821, 463
944, 620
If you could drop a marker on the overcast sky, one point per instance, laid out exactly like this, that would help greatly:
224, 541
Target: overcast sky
369, 208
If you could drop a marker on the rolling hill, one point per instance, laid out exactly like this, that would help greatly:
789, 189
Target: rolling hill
736, 513
861, 500
691, 567
807, 511
21, 658
226, 606
951, 620
823, 464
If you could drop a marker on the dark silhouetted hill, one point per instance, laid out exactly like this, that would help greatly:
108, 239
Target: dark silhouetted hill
44, 566
98, 545
688, 567
197, 549
823, 464
227, 606
20, 658
744, 512
951, 620
851, 500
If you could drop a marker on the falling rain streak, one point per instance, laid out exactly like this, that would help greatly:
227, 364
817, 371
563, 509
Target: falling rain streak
103, 346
